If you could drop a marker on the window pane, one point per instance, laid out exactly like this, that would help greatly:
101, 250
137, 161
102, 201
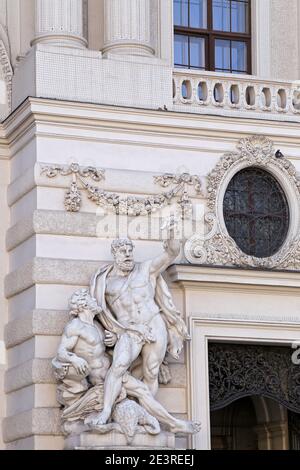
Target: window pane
256, 212
221, 15
222, 54
239, 17
181, 12
198, 13
239, 56
197, 52
181, 50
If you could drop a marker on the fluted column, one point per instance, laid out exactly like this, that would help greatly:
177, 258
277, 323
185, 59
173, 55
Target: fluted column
59, 22
128, 27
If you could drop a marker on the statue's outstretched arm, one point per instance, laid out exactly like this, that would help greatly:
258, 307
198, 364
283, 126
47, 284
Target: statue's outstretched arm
171, 246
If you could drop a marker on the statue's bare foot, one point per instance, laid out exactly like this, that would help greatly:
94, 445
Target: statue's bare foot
186, 427
98, 419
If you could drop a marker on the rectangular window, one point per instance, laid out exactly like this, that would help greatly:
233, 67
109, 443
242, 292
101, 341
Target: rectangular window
222, 55
197, 52
221, 15
181, 12
198, 14
189, 51
190, 13
213, 35
238, 56
239, 17
230, 56
181, 50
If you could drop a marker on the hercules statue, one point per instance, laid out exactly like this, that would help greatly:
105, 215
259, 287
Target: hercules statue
139, 316
112, 349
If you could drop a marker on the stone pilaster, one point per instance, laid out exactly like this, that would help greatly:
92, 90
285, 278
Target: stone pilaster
59, 22
128, 27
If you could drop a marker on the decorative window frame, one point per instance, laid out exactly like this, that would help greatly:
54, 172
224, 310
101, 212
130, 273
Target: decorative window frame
217, 247
204, 330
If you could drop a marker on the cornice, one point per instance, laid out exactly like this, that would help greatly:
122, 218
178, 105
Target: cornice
35, 112
193, 275
241, 321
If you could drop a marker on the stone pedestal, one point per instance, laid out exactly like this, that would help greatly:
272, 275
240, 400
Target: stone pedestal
59, 22
128, 27
73, 74
117, 441
60, 67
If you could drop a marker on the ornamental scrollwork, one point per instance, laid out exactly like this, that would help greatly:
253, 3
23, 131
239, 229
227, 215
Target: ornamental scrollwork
185, 178
218, 248
130, 205
195, 247
237, 371
73, 197
74, 169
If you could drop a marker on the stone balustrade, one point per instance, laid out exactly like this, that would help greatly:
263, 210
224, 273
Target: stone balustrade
241, 95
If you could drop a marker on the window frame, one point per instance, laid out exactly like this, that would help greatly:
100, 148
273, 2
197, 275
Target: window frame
250, 173
211, 35
189, 52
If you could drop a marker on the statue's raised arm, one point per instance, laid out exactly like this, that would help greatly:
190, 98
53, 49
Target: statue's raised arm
171, 246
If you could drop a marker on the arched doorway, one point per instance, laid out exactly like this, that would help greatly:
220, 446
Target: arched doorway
253, 423
233, 427
254, 397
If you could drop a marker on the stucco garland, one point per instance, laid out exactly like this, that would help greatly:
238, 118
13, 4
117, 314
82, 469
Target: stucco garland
130, 205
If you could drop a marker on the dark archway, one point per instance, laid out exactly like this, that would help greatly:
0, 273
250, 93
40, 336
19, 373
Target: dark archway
234, 427
254, 397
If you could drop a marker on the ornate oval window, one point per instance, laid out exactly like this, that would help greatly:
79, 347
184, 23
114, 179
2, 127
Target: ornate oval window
256, 212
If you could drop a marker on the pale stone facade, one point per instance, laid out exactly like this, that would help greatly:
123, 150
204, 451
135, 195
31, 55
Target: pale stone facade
91, 83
